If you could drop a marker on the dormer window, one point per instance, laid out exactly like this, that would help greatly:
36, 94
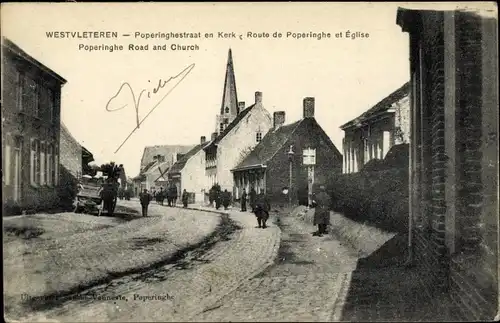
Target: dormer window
258, 136
227, 110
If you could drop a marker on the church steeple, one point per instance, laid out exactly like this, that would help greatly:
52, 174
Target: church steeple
229, 107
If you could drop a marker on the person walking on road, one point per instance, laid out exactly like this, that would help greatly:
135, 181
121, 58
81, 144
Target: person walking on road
226, 199
185, 197
261, 210
321, 204
244, 201
145, 198
253, 196
218, 198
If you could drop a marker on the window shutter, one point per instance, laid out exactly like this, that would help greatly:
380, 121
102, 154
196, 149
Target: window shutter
56, 167
42, 164
32, 161
7, 164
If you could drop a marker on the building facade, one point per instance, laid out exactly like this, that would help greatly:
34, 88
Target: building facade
188, 173
237, 131
30, 129
271, 168
155, 163
454, 155
372, 134
227, 149
71, 154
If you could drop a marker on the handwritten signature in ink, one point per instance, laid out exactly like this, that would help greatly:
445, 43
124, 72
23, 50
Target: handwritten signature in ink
161, 84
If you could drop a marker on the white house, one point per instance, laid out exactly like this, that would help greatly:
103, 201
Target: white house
237, 131
227, 149
188, 173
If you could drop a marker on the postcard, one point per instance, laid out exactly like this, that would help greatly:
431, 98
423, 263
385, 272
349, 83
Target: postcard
250, 161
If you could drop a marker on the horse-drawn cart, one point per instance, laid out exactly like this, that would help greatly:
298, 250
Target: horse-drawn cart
96, 197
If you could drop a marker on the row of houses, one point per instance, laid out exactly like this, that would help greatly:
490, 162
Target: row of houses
248, 149
444, 122
251, 149
39, 152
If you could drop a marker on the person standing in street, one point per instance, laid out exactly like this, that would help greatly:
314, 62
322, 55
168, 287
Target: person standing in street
244, 201
261, 210
161, 196
218, 198
185, 197
145, 198
253, 196
321, 204
226, 199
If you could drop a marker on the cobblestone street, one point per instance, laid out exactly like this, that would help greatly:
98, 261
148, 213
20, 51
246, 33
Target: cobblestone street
236, 273
75, 252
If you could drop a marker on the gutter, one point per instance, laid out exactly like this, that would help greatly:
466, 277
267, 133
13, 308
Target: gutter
248, 167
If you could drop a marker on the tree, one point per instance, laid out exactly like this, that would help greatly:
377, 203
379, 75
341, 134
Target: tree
112, 171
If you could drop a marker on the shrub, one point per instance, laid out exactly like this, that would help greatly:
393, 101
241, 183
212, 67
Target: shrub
378, 198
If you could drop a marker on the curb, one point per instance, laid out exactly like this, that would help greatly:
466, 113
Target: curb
362, 238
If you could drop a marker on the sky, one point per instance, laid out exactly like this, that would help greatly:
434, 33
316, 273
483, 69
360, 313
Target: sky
345, 76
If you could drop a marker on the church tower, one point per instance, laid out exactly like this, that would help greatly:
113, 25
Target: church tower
229, 107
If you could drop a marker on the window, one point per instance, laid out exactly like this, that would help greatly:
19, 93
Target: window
55, 172
258, 136
6, 161
50, 104
221, 127
227, 110
226, 121
19, 90
31, 96
35, 162
42, 164
50, 164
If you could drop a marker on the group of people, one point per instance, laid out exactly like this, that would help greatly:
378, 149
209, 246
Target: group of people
259, 204
171, 193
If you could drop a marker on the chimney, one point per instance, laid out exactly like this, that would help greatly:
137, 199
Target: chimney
214, 135
202, 140
258, 97
308, 107
278, 119
241, 106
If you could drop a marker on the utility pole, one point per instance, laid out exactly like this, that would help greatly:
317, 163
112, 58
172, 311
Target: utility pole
290, 159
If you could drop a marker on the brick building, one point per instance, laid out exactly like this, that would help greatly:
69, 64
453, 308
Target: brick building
454, 155
372, 134
31, 95
267, 167
71, 154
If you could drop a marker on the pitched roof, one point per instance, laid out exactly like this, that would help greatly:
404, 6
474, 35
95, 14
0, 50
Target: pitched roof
274, 140
381, 106
179, 165
168, 151
269, 145
16, 50
233, 124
